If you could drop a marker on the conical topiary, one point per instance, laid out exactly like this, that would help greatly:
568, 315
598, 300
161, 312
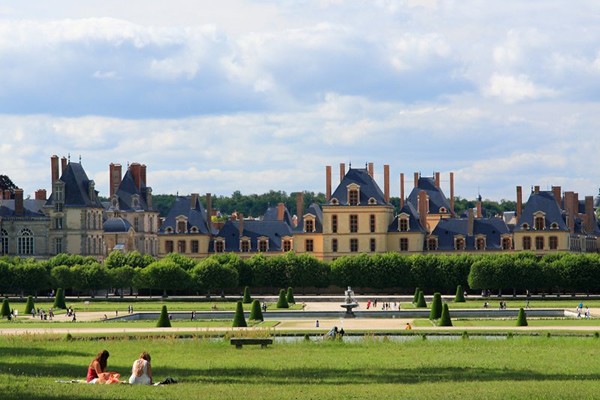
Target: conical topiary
59, 299
256, 312
436, 306
163, 320
416, 296
239, 321
282, 301
5, 311
521, 318
29, 305
460, 295
421, 300
290, 296
247, 298
445, 318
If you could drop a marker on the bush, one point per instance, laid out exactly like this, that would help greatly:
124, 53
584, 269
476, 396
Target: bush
521, 319
247, 298
436, 306
256, 312
445, 319
290, 296
5, 311
239, 321
59, 299
282, 301
421, 300
29, 305
163, 320
596, 335
465, 335
460, 295
416, 296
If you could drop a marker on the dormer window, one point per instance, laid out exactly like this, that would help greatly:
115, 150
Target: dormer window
403, 225
169, 230
459, 243
372, 201
480, 243
181, 227
194, 229
554, 225
114, 202
245, 245
539, 223
219, 245
506, 243
353, 194
443, 210
135, 201
309, 225
432, 244
334, 201
525, 226
263, 244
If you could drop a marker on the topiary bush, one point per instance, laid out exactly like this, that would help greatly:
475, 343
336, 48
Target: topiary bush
239, 321
247, 298
282, 301
5, 311
29, 305
59, 299
436, 306
290, 296
521, 318
256, 312
163, 320
460, 295
421, 300
445, 318
416, 296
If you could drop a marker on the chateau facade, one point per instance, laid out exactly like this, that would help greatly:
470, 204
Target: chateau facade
357, 217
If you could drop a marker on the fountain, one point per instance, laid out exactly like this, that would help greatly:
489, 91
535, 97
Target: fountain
349, 303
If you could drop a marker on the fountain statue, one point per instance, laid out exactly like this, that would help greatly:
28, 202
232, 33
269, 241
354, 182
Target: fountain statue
349, 303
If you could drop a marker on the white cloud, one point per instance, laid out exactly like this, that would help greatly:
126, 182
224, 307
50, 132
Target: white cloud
512, 89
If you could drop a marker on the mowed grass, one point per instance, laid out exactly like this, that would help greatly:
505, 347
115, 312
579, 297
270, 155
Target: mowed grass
521, 367
62, 323
511, 322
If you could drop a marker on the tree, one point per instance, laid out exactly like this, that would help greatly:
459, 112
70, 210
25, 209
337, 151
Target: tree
421, 300
256, 312
282, 301
210, 275
460, 295
29, 305
521, 318
6, 277
445, 317
165, 275
61, 276
59, 299
239, 321
164, 321
436, 306
247, 298
186, 263
5, 310
122, 277
31, 276
91, 277
115, 259
290, 296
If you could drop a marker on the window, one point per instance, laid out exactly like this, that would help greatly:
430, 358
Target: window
526, 243
459, 244
58, 223
334, 245
309, 225
553, 241
25, 242
219, 246
480, 244
59, 197
169, 246
403, 244
539, 243
506, 244
525, 226
404, 225
373, 244
432, 244
554, 225
372, 223
353, 223
195, 246
181, 246
309, 245
353, 197
245, 246
169, 230
287, 245
539, 223
181, 225
4, 241
136, 224
334, 223
58, 247
354, 245
263, 245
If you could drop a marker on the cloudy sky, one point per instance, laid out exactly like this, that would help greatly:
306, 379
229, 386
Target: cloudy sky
259, 95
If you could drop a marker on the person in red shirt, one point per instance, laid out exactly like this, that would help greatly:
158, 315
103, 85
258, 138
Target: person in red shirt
97, 366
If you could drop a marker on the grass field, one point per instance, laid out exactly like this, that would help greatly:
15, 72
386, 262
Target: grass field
510, 322
522, 367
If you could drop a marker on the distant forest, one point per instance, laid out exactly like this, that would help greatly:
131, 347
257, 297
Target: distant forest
255, 205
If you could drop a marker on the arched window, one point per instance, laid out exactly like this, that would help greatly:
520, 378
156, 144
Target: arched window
25, 242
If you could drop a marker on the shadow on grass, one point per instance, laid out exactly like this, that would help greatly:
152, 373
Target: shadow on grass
9, 351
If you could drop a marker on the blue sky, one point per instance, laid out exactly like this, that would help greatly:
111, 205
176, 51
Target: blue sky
260, 95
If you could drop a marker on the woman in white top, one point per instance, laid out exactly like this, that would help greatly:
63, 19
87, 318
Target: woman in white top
141, 371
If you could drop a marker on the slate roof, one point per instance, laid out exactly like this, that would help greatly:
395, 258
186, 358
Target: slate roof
31, 208
116, 225
196, 215
253, 229
545, 202
437, 198
77, 186
271, 215
315, 210
368, 188
414, 225
125, 192
493, 228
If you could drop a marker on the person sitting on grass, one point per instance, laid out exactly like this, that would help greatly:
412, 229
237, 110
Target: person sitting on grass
141, 371
97, 367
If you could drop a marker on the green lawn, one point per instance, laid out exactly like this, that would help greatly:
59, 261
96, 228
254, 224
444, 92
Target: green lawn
62, 323
510, 322
522, 367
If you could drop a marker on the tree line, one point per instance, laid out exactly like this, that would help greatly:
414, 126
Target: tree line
393, 272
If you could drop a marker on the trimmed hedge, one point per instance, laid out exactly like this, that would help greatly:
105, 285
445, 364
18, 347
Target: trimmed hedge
239, 321
460, 295
421, 300
256, 312
436, 306
282, 301
521, 318
290, 296
163, 320
445, 319
59, 299
29, 305
5, 311
247, 298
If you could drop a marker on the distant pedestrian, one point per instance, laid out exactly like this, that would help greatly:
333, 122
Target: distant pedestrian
317, 324
587, 312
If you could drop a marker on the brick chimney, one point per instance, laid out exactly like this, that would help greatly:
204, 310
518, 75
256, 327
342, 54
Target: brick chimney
209, 212
556, 190
40, 194
519, 209
371, 170
7, 195
143, 175
342, 171
54, 169
536, 189
589, 214
471, 222
280, 211
451, 192
479, 213
437, 180
570, 210
63, 165
114, 176
416, 180
299, 205
386, 182
19, 208
423, 208
327, 183
136, 171
401, 191
193, 200
241, 224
